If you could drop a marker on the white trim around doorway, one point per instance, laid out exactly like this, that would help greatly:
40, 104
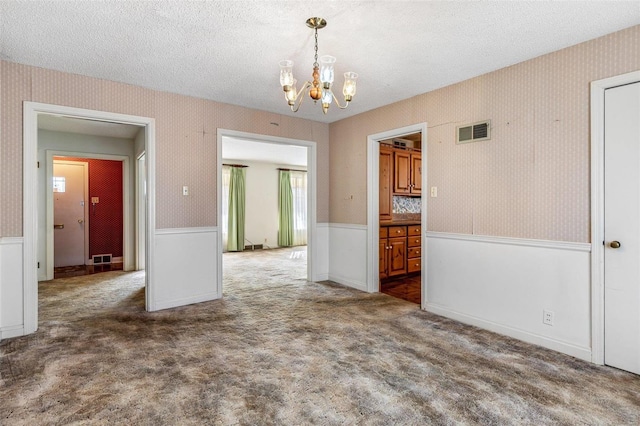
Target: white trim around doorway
31, 110
598, 89
373, 206
128, 240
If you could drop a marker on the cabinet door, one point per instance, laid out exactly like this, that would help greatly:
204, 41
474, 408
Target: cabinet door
386, 183
397, 256
402, 173
416, 173
384, 256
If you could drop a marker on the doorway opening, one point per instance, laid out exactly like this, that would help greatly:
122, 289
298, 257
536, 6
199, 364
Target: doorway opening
88, 214
400, 224
264, 163
83, 130
397, 212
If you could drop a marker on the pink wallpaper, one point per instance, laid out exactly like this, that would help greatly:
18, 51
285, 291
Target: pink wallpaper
185, 139
531, 180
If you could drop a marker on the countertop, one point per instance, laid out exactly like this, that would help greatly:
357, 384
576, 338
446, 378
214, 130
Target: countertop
404, 222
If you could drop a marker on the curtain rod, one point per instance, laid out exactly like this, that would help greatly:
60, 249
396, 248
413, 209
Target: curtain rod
292, 170
235, 165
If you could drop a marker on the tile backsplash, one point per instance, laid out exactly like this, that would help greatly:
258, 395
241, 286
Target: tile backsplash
406, 204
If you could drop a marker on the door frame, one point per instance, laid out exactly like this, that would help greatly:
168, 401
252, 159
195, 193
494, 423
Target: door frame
31, 110
312, 234
128, 250
51, 211
598, 89
373, 205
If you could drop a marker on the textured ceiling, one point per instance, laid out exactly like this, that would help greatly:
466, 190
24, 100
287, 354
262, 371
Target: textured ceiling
228, 51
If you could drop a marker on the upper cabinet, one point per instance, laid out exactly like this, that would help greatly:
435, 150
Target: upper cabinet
386, 182
407, 178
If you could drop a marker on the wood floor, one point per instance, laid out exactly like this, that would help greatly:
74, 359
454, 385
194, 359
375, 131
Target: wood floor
74, 271
406, 288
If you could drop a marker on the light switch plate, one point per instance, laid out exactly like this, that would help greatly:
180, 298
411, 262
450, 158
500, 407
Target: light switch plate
185, 190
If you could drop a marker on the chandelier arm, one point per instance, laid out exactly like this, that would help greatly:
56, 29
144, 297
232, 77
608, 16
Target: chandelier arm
338, 103
300, 96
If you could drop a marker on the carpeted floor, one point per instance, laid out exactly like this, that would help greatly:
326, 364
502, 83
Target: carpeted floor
279, 350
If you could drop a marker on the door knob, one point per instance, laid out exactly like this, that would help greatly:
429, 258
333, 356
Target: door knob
615, 244
80, 220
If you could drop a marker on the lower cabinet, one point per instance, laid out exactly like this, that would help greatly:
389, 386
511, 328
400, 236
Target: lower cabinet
399, 250
393, 251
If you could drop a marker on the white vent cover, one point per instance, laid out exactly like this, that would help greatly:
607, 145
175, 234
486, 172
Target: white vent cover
405, 143
101, 259
480, 131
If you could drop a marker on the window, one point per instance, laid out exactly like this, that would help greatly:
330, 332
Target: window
59, 184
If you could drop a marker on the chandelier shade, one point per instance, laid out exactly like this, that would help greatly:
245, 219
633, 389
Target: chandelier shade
323, 75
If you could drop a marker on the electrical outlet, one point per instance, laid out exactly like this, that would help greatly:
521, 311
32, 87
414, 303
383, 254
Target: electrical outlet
547, 317
434, 191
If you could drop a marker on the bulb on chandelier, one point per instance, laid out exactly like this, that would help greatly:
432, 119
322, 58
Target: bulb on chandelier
322, 78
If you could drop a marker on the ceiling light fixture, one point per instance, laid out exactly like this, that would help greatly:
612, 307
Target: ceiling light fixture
322, 73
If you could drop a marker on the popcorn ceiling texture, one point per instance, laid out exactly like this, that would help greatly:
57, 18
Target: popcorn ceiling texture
531, 180
186, 130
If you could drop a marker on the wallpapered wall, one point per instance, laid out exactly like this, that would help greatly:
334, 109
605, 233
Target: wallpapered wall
185, 139
531, 180
106, 219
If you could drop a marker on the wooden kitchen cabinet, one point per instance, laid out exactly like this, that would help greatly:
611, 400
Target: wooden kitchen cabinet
393, 251
407, 175
386, 182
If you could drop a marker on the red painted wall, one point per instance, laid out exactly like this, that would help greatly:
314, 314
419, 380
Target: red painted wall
106, 219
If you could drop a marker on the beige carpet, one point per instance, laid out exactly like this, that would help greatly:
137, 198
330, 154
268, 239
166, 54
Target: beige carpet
279, 350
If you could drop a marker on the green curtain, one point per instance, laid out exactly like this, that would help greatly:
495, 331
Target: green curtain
285, 210
235, 238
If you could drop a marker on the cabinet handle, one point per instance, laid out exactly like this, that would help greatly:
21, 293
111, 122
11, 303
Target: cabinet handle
398, 231
417, 241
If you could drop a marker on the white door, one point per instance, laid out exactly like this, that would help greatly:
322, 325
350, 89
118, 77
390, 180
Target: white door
69, 189
622, 227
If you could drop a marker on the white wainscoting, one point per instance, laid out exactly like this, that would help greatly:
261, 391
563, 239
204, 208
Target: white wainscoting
11, 287
321, 253
185, 267
348, 255
504, 284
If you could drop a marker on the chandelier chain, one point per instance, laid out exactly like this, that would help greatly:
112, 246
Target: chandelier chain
315, 62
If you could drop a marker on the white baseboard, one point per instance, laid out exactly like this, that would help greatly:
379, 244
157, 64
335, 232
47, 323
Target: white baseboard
187, 301
348, 282
505, 284
13, 331
185, 267
583, 353
348, 255
12, 287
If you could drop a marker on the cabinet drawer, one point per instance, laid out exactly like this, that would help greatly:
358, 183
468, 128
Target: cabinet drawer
414, 241
384, 232
413, 252
414, 265
414, 230
397, 231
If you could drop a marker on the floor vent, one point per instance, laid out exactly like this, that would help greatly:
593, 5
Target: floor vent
101, 259
475, 132
254, 247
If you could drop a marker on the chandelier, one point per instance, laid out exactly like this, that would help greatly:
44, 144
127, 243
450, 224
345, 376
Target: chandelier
320, 88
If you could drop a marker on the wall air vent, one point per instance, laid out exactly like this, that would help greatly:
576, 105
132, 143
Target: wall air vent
404, 143
101, 259
475, 132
